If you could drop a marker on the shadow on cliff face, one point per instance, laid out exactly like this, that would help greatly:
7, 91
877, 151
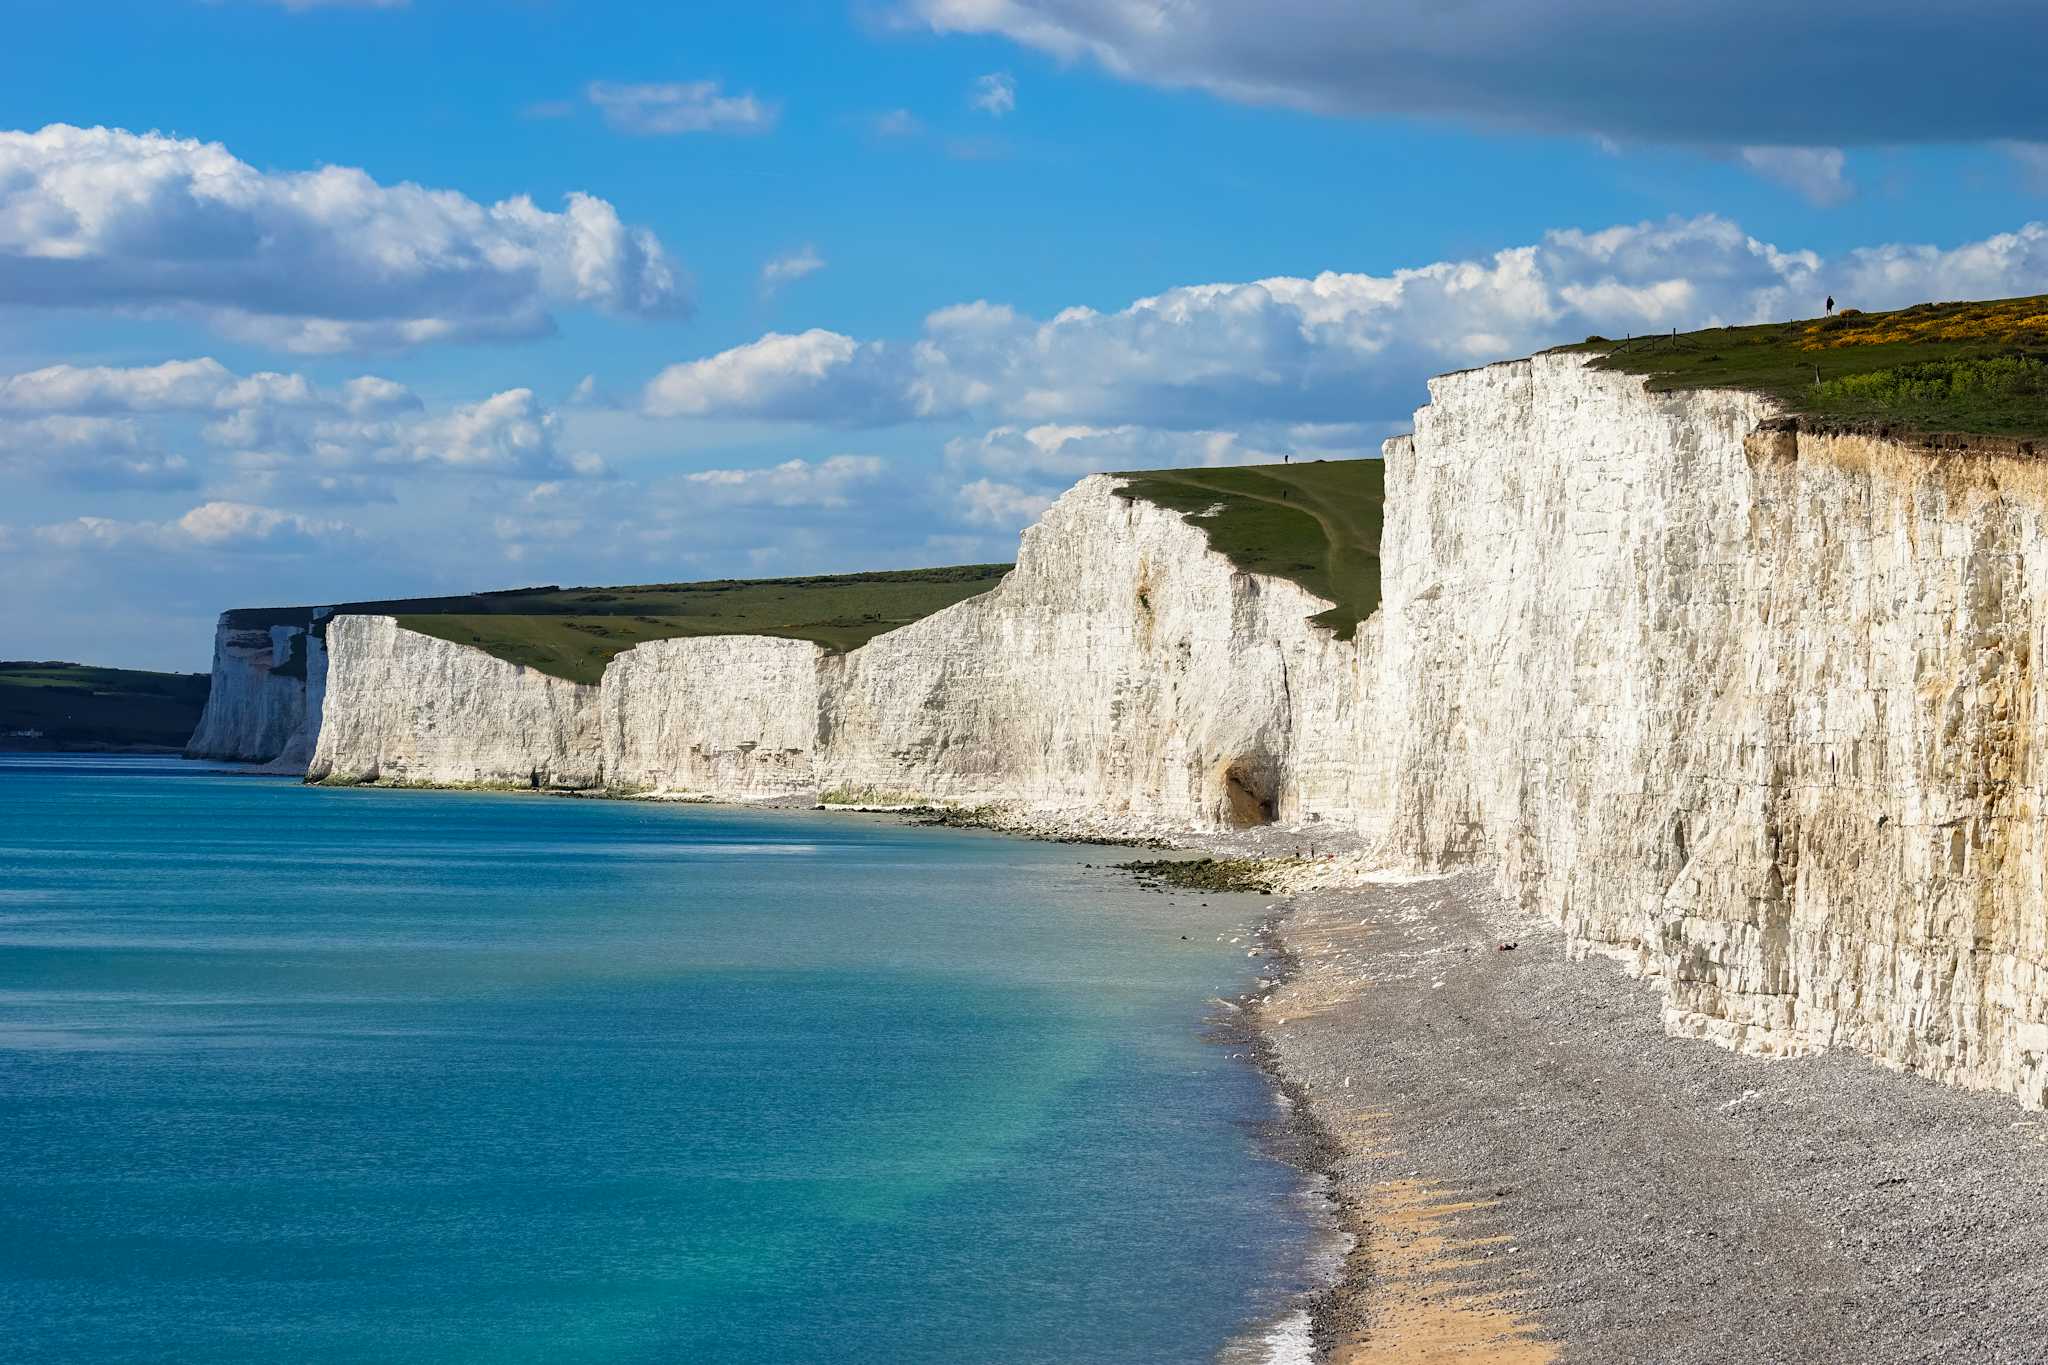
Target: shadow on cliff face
1250, 795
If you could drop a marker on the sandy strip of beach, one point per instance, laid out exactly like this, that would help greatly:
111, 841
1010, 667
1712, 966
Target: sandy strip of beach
1534, 1171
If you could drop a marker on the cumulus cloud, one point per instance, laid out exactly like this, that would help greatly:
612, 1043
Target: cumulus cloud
668, 109
1816, 173
310, 261
995, 94
1820, 73
788, 268
94, 453
793, 483
110, 426
1329, 349
1004, 506
211, 525
508, 432
173, 386
810, 376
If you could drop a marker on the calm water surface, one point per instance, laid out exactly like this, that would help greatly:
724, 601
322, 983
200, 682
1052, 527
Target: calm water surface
297, 1074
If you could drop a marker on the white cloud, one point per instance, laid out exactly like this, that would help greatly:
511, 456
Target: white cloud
666, 109
793, 483
895, 123
1815, 173
1332, 348
1570, 66
107, 426
1004, 506
93, 453
174, 385
815, 376
1065, 452
507, 433
311, 261
995, 94
371, 396
212, 525
791, 267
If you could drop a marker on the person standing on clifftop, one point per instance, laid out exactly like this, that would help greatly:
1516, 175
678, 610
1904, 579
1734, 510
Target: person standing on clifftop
1831, 305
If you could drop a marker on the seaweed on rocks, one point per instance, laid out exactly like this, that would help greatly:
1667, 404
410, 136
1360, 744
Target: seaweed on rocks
1203, 874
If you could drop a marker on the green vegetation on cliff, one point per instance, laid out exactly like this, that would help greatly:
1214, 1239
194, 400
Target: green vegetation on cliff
1316, 524
1933, 369
579, 630
574, 632
53, 705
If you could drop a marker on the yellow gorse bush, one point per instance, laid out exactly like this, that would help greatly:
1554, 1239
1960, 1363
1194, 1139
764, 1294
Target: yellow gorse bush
2007, 322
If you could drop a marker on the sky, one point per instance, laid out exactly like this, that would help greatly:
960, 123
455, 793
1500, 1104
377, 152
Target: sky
311, 300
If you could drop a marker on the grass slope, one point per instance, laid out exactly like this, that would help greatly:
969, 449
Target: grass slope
1316, 524
1933, 369
574, 632
77, 706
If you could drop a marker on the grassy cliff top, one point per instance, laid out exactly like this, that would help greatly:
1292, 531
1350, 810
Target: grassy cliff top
1933, 369
574, 632
76, 706
1316, 524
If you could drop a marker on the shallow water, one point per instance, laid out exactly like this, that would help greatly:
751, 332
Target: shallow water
296, 1073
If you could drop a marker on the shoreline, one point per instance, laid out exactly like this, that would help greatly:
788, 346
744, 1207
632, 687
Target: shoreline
1534, 1168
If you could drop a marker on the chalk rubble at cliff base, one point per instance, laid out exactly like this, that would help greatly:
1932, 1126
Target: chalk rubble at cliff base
1749, 707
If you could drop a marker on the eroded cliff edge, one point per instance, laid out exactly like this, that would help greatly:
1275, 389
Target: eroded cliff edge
1750, 707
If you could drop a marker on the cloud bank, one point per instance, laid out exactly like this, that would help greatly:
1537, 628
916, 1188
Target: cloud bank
1333, 348
306, 261
1755, 72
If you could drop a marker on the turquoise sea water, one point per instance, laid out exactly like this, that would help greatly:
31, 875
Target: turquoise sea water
293, 1074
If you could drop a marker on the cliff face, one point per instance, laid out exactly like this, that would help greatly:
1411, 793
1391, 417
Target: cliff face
1124, 677
263, 677
1751, 708
1123, 673
1754, 710
404, 708
732, 716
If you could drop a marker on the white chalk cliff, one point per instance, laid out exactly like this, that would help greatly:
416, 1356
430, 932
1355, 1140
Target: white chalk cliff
265, 701
409, 709
1750, 707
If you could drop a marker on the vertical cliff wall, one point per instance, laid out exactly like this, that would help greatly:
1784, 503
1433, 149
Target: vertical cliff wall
257, 709
1123, 673
1123, 677
402, 707
729, 716
1753, 708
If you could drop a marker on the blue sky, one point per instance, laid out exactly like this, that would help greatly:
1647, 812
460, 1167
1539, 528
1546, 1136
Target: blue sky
819, 286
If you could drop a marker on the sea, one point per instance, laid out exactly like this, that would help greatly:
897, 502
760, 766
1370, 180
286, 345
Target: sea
294, 1073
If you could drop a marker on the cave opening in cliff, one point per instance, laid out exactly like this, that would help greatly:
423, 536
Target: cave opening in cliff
1248, 793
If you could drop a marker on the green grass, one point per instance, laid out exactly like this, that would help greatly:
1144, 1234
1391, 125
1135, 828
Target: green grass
1933, 369
1316, 524
77, 706
574, 632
